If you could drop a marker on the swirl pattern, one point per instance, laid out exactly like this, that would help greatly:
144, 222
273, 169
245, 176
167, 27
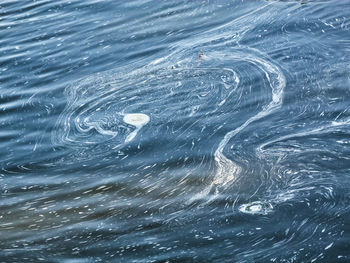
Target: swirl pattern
172, 102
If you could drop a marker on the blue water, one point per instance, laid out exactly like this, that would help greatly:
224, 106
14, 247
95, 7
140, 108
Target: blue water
174, 131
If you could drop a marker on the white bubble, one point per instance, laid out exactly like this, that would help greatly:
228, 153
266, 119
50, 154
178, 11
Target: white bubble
256, 208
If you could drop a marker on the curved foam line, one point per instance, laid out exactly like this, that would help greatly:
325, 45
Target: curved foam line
227, 170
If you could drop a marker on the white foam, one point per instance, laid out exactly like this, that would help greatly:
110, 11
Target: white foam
256, 208
136, 119
227, 170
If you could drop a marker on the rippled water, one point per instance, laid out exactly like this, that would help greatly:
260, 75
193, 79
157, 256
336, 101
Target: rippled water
175, 131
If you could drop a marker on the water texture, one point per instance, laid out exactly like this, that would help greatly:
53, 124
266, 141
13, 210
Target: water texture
174, 131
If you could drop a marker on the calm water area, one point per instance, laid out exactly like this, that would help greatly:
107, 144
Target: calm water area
174, 131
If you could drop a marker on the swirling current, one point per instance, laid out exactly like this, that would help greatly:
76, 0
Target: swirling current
175, 131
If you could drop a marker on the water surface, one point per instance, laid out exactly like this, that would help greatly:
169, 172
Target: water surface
174, 131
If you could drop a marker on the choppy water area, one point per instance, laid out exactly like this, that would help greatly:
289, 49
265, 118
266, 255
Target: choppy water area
174, 131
